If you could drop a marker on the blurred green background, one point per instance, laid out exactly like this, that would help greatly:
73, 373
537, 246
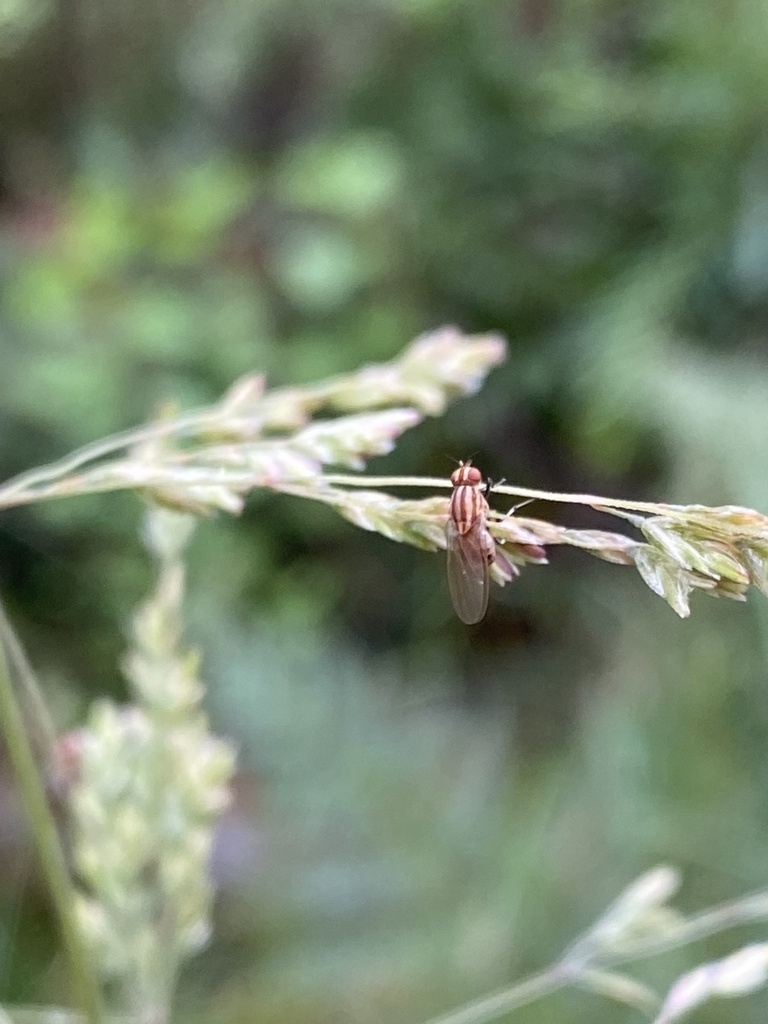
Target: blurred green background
193, 189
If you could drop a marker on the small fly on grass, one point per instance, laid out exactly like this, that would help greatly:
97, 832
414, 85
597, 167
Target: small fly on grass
471, 548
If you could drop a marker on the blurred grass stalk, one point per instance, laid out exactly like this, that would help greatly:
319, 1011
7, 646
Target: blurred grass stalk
49, 849
151, 784
640, 924
144, 786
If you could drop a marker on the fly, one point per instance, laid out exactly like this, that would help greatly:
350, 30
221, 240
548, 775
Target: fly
471, 548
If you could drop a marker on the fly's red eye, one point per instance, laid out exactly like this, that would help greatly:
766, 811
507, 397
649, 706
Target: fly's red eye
466, 474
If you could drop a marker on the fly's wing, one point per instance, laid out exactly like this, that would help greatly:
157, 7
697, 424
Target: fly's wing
468, 572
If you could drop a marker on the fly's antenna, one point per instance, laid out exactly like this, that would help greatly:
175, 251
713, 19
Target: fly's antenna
461, 462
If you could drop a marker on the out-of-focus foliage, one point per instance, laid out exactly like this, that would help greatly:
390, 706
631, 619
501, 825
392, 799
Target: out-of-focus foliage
189, 192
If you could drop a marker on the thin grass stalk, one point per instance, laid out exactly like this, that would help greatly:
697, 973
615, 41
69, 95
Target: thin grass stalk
38, 718
498, 1004
46, 839
530, 493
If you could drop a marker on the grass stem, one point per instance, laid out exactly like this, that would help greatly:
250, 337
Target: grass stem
47, 843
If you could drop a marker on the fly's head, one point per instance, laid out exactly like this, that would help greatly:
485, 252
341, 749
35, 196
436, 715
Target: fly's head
466, 475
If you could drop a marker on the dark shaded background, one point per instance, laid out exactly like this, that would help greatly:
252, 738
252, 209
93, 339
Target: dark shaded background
193, 189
